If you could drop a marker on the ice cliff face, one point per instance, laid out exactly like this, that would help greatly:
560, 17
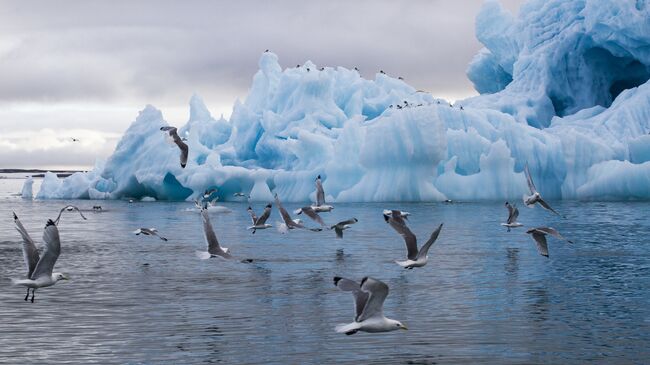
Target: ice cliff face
564, 88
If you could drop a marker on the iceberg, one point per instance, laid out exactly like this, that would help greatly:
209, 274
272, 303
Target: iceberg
27, 191
563, 88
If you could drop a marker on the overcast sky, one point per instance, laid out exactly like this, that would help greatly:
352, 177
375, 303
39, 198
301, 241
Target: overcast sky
85, 68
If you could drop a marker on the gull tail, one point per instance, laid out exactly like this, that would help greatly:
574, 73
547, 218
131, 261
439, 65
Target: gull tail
203, 255
348, 329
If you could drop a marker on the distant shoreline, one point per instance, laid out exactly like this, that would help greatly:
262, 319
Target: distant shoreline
38, 172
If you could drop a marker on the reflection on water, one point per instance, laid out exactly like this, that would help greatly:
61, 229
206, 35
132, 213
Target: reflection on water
486, 295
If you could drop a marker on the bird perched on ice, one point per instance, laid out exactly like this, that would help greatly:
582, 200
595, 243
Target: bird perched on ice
260, 222
415, 257
513, 213
39, 268
149, 232
539, 236
369, 299
214, 249
535, 197
340, 226
288, 222
173, 134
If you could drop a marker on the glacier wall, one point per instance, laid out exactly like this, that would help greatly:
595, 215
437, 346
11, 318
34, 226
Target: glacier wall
564, 87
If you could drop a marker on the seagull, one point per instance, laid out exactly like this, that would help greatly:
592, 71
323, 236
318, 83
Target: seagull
68, 208
311, 213
288, 222
39, 269
173, 133
240, 194
260, 223
214, 249
402, 213
340, 226
149, 232
369, 299
513, 213
97, 208
535, 197
415, 257
539, 235
74, 139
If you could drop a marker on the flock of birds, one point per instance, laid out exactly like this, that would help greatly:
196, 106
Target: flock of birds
369, 294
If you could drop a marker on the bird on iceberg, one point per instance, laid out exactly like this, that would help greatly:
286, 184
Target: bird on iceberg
214, 249
39, 268
173, 133
513, 213
288, 222
539, 236
149, 232
340, 226
68, 208
535, 197
369, 296
260, 222
415, 257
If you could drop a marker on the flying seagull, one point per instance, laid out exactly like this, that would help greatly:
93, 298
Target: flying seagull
340, 226
288, 222
402, 213
369, 299
74, 139
173, 133
149, 232
415, 257
539, 235
513, 213
320, 198
535, 197
242, 195
68, 208
214, 249
39, 269
260, 222
311, 213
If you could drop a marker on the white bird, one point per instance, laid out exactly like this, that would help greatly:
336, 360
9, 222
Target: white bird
415, 257
320, 198
260, 223
513, 213
539, 236
402, 213
68, 208
535, 197
288, 222
173, 133
149, 232
39, 269
311, 213
214, 249
242, 195
369, 299
340, 226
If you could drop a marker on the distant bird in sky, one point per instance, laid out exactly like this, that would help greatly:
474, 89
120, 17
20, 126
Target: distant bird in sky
214, 249
539, 236
535, 197
340, 226
39, 268
260, 222
415, 257
149, 232
369, 298
74, 139
513, 213
173, 133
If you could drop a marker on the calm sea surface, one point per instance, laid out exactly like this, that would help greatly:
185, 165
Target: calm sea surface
485, 297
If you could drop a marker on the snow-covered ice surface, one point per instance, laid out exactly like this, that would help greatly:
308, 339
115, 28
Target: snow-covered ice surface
564, 87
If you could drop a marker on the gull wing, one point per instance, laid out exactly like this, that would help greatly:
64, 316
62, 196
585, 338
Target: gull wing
513, 213
311, 213
30, 252
529, 179
56, 221
540, 241
360, 297
265, 215
320, 193
553, 232
210, 237
396, 221
546, 206
173, 132
346, 222
51, 251
378, 291
283, 212
425, 248
252, 214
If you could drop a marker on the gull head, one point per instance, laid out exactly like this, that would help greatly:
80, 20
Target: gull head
58, 276
397, 325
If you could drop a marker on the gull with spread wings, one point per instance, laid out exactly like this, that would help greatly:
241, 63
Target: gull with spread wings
415, 257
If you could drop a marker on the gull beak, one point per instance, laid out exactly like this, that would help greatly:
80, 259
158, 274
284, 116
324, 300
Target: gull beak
65, 277
404, 328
